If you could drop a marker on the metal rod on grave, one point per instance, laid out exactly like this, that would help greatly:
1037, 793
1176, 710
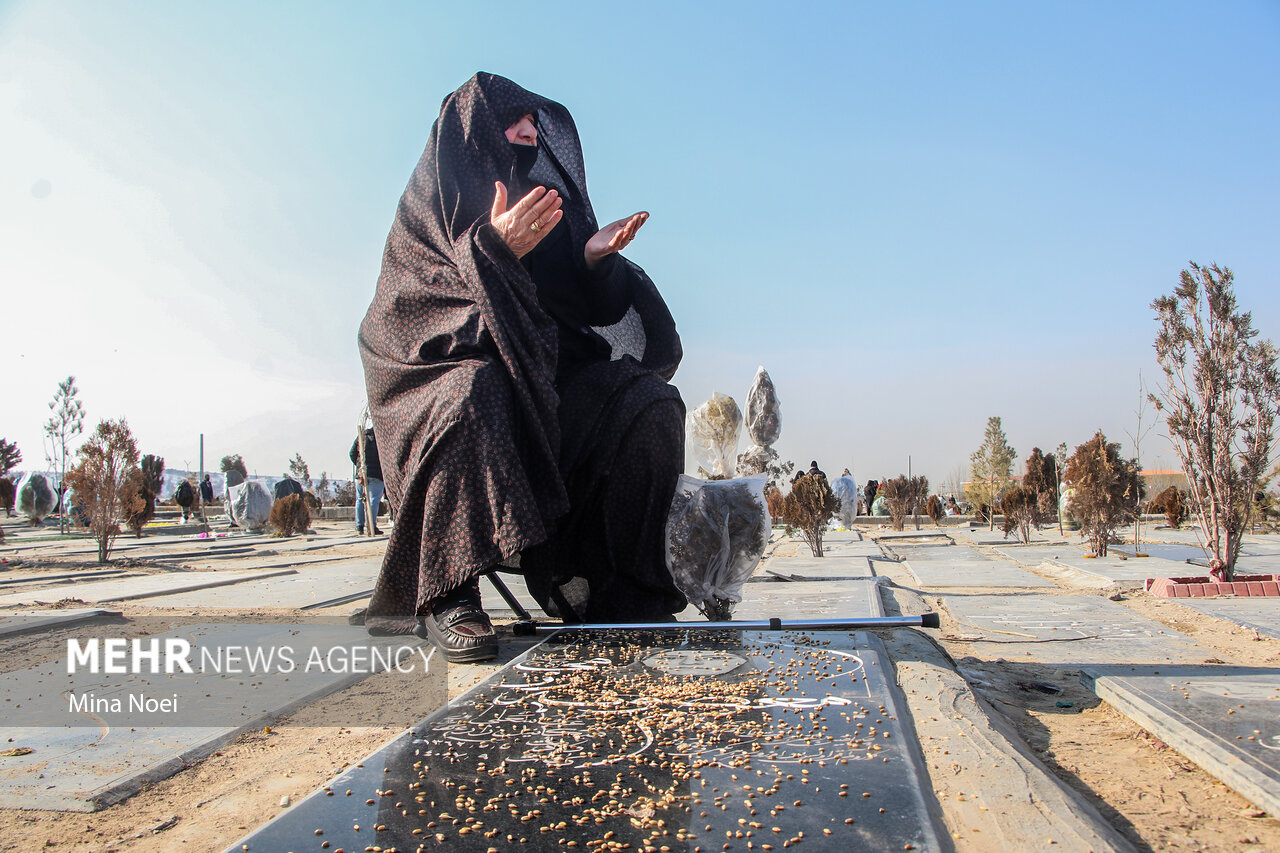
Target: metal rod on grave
925, 620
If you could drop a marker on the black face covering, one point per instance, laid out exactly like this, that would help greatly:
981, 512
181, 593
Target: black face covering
519, 184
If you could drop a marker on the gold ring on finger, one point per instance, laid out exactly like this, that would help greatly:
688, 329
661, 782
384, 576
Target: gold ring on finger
535, 225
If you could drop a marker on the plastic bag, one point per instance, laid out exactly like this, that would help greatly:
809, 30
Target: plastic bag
764, 411
847, 491
249, 505
36, 497
717, 531
713, 434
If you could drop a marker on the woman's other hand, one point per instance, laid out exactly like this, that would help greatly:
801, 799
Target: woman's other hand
528, 221
614, 237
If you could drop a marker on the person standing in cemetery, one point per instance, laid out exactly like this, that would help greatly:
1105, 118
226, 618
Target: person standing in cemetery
372, 480
206, 490
506, 425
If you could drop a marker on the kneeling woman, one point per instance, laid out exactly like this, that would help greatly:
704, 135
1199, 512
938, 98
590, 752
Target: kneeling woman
506, 423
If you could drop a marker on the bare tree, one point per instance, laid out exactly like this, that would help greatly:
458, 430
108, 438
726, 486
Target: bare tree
955, 481
1141, 428
1059, 463
991, 467
104, 463
64, 425
1219, 401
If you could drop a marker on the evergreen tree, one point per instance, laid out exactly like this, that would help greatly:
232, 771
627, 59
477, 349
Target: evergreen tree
299, 471
64, 425
991, 468
10, 456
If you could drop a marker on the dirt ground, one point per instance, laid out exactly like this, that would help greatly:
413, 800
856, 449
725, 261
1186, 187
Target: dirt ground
1144, 788
1158, 799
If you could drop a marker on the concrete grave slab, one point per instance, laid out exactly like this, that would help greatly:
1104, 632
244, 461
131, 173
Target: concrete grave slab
309, 587
1109, 568
984, 536
814, 568
1224, 718
1262, 614
85, 758
961, 566
1175, 552
28, 621
810, 600
1121, 635
859, 548
842, 536
682, 719
57, 577
141, 586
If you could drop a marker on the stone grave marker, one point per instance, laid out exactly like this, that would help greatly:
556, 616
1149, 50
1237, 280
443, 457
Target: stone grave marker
1224, 718
1261, 613
1079, 629
961, 566
684, 739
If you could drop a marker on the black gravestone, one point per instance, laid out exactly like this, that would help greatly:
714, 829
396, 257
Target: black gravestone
678, 740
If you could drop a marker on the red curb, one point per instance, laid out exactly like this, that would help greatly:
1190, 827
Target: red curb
1200, 587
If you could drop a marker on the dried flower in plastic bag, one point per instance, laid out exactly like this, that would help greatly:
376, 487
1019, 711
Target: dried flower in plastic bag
717, 532
713, 435
764, 411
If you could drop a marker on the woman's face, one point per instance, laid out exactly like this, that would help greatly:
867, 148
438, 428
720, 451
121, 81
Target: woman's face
523, 132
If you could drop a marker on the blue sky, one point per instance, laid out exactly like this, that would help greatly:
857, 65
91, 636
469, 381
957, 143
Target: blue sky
914, 215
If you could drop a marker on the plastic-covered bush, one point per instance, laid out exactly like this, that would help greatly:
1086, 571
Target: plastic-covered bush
764, 411
717, 532
249, 505
712, 434
36, 498
846, 490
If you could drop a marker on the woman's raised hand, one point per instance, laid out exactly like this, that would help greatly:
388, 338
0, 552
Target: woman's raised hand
614, 237
528, 221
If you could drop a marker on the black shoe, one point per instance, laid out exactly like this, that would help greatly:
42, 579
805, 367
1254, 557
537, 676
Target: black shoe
377, 532
360, 531
460, 628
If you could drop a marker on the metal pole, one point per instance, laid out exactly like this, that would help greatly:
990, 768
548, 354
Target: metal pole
926, 620
204, 517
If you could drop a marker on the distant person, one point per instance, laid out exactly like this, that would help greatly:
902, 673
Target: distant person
206, 490
373, 469
814, 469
185, 497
